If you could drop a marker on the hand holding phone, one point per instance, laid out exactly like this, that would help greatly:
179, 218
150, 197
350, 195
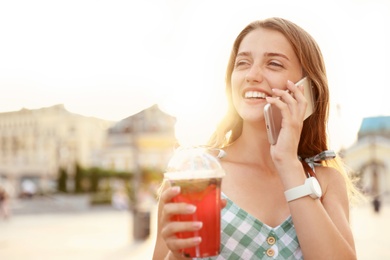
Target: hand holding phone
273, 116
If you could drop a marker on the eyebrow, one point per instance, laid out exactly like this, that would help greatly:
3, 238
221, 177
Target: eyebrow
276, 54
244, 53
267, 54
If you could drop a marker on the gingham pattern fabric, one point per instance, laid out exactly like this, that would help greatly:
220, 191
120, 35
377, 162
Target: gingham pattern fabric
245, 237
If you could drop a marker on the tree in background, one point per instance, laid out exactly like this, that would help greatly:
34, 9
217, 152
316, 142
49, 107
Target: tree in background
78, 178
62, 180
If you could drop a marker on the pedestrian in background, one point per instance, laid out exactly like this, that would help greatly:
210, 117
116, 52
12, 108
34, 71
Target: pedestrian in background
4, 202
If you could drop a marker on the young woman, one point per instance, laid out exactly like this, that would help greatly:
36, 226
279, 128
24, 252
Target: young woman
261, 220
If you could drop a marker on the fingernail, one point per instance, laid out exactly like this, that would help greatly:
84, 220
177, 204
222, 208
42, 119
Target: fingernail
197, 225
176, 189
196, 239
191, 208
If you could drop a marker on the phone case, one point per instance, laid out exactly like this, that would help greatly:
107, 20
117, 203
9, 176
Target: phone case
273, 116
273, 122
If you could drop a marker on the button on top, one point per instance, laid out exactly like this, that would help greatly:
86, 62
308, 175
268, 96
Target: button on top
271, 240
270, 252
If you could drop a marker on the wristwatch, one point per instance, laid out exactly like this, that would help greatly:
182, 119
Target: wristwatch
311, 188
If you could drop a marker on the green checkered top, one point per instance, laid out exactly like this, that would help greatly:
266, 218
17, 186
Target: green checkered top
245, 237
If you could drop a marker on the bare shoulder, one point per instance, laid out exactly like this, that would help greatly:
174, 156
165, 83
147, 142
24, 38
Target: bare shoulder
327, 175
333, 184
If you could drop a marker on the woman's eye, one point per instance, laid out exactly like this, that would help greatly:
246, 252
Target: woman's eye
276, 64
242, 63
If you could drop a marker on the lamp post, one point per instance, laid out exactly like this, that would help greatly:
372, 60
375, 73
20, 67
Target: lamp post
375, 178
137, 171
141, 215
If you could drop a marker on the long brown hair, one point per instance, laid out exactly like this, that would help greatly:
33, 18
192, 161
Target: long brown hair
313, 138
314, 135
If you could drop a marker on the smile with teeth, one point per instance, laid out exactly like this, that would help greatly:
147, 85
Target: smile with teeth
254, 94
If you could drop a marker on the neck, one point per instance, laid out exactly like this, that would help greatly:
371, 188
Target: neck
252, 146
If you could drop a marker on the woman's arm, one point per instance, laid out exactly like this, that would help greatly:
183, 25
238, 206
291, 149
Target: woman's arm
322, 226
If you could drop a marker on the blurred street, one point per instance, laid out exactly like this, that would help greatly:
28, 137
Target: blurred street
67, 228
76, 231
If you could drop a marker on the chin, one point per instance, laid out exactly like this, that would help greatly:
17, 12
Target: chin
253, 118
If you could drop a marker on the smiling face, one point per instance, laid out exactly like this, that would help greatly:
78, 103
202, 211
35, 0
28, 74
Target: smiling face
265, 60
262, 42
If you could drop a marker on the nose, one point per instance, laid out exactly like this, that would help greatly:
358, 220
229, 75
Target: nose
254, 74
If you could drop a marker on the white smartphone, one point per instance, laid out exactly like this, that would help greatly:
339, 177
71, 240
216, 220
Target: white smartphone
273, 116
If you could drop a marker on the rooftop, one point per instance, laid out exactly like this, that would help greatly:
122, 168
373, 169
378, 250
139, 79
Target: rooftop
379, 125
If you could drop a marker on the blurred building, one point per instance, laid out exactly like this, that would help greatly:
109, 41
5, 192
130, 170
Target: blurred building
142, 141
34, 144
369, 157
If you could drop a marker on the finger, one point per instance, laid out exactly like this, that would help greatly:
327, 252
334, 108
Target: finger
175, 244
169, 194
284, 95
173, 208
293, 97
174, 227
177, 255
278, 102
223, 203
296, 91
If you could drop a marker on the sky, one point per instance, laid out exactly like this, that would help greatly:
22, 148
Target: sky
111, 59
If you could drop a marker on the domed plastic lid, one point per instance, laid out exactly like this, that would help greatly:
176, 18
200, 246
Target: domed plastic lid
194, 163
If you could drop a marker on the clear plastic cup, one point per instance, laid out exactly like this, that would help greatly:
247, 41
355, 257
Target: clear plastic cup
199, 175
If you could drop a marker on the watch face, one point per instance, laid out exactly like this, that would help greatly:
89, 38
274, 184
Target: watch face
316, 187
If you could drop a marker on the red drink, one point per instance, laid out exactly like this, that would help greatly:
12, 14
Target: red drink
205, 194
199, 175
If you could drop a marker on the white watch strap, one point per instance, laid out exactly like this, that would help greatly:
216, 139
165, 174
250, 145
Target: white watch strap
311, 188
297, 192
